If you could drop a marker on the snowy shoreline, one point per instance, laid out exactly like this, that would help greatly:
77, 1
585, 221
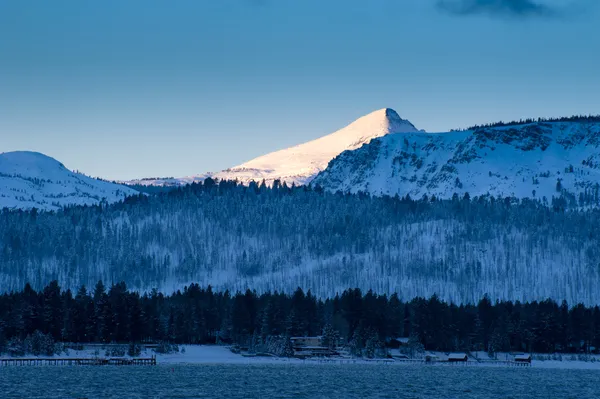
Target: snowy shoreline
221, 355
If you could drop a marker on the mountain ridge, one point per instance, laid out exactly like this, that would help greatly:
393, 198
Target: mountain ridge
533, 160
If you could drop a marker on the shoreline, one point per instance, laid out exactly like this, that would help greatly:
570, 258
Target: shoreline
221, 355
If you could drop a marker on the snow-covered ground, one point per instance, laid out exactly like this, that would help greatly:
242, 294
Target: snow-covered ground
33, 180
214, 354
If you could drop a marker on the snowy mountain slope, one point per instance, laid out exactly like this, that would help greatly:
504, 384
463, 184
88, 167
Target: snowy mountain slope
532, 160
301, 163
33, 180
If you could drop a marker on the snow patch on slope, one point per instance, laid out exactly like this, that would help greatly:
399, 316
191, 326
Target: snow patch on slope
33, 180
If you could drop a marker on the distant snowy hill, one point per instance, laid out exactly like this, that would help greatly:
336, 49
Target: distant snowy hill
301, 163
534, 160
33, 180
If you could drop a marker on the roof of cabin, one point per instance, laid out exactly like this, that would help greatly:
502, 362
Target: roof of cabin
523, 357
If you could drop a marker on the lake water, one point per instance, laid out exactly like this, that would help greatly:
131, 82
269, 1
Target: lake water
296, 381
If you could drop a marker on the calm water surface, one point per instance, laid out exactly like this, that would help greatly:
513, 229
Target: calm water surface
296, 381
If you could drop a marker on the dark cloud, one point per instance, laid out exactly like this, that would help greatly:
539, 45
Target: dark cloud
498, 8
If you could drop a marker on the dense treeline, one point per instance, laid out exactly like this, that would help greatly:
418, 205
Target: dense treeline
574, 118
362, 322
278, 238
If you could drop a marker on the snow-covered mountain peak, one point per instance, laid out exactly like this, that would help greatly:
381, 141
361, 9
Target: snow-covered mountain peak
301, 163
381, 122
33, 180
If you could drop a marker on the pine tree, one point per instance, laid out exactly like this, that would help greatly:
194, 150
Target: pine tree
102, 313
356, 344
134, 350
415, 348
329, 337
287, 349
372, 345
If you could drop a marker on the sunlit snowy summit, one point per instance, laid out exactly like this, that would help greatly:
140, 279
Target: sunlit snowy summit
33, 180
301, 163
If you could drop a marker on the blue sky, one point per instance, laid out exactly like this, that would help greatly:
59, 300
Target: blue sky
140, 88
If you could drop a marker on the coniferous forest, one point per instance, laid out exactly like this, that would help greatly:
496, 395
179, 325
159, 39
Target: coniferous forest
366, 323
235, 237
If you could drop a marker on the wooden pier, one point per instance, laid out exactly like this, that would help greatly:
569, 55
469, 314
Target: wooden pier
507, 363
151, 361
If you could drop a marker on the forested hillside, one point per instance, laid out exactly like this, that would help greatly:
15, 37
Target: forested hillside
279, 238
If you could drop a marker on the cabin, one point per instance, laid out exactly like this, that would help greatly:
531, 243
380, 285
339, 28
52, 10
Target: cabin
305, 341
310, 346
396, 343
311, 351
523, 358
457, 357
